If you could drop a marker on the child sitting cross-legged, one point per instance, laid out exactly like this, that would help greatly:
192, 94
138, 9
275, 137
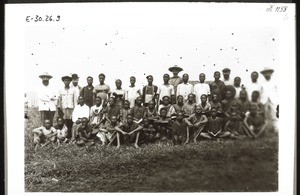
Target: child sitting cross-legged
84, 133
234, 125
254, 123
215, 127
147, 135
44, 135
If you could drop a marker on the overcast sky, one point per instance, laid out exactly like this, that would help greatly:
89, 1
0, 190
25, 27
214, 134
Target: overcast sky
129, 41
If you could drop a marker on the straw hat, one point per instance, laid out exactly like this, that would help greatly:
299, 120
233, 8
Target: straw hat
267, 69
175, 69
45, 76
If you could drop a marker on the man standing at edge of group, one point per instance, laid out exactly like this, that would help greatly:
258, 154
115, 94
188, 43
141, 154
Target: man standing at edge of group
47, 99
76, 87
175, 80
102, 90
67, 103
269, 98
87, 92
226, 76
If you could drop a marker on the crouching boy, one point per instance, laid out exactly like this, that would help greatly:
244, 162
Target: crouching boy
62, 131
44, 135
180, 133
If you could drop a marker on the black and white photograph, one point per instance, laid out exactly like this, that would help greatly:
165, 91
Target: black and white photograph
150, 97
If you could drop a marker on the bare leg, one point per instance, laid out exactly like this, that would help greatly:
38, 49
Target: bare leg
137, 140
199, 130
205, 135
248, 132
118, 140
263, 128
224, 134
113, 137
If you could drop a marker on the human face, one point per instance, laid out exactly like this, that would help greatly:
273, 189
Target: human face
166, 78
180, 99
190, 98
151, 104
203, 98
198, 110
243, 95
180, 116
226, 75
132, 81
139, 101
217, 76
267, 75
234, 106
60, 121
129, 119
75, 82
80, 100
101, 79
113, 120
111, 101
237, 81
45, 81
84, 122
163, 113
228, 94
47, 124
185, 78
89, 81
202, 78
67, 82
254, 77
126, 104
118, 84
213, 112
150, 80
254, 96
215, 97
98, 101
166, 101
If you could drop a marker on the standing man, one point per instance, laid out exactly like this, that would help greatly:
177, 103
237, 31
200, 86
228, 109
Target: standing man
269, 98
102, 90
132, 92
218, 86
185, 88
175, 80
254, 85
67, 103
76, 87
47, 99
149, 92
87, 92
201, 88
166, 90
226, 76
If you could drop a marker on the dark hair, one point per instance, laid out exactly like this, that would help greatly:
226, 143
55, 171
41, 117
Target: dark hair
101, 74
89, 77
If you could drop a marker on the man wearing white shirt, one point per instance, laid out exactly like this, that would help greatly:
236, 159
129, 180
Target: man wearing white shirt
80, 111
75, 86
201, 88
237, 86
226, 76
132, 92
254, 85
185, 88
166, 89
47, 99
269, 98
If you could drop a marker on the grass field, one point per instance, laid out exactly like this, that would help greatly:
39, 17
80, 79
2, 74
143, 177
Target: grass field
208, 166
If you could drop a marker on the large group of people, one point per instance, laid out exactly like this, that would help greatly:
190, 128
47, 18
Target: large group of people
175, 112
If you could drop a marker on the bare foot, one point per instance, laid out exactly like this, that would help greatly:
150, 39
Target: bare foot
118, 147
195, 141
136, 146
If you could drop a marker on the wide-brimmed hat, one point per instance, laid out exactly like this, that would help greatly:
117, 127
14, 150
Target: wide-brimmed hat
66, 77
75, 76
45, 75
267, 69
175, 68
226, 70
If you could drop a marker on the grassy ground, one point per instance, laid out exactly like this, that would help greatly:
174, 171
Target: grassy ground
229, 165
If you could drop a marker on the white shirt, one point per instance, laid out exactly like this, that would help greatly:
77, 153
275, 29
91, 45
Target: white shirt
199, 89
184, 90
165, 90
67, 98
269, 92
237, 91
253, 87
77, 90
80, 112
228, 82
45, 94
131, 94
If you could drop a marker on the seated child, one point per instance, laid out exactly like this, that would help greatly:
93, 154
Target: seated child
107, 132
214, 103
129, 132
147, 135
255, 101
44, 135
180, 133
138, 110
125, 111
62, 131
205, 107
254, 123
163, 126
189, 106
166, 104
84, 133
226, 103
96, 114
196, 123
235, 126
215, 127
179, 106
111, 110
151, 113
